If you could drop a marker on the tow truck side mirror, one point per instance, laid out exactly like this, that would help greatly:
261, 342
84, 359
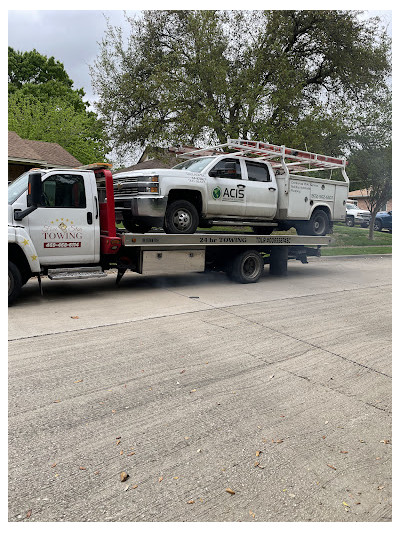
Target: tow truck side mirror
35, 189
33, 199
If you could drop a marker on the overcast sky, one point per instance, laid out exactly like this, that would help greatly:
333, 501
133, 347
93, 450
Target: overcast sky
72, 36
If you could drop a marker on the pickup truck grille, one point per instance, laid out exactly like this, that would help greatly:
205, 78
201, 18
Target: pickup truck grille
126, 187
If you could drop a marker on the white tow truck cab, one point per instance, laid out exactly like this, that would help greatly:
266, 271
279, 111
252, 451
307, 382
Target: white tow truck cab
62, 223
256, 184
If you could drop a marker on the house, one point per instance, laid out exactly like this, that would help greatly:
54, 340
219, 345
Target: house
360, 198
162, 158
24, 154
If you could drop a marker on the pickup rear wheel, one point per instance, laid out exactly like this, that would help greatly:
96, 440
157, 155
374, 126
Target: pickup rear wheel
246, 267
181, 217
14, 282
317, 225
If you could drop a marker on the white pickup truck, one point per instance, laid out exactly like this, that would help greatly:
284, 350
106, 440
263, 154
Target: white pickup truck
255, 184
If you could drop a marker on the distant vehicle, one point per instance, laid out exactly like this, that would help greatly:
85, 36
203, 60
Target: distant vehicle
383, 220
354, 215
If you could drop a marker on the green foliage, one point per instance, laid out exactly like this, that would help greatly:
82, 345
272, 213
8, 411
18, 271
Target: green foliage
201, 76
42, 106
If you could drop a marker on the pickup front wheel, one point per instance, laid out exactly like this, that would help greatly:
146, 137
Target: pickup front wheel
181, 217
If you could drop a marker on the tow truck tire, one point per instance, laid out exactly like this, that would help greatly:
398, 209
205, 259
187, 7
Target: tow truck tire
14, 282
246, 267
349, 222
318, 224
181, 217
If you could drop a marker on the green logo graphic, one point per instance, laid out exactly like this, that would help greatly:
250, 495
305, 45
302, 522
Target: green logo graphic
216, 193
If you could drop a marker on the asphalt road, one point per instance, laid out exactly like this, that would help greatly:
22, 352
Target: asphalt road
279, 391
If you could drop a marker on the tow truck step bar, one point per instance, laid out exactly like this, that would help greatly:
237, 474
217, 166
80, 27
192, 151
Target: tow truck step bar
76, 273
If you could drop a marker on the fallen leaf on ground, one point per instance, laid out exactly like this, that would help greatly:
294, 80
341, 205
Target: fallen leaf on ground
28, 514
82, 468
78, 381
386, 441
53, 465
380, 487
56, 401
135, 486
75, 317
256, 463
175, 477
182, 371
123, 476
193, 390
258, 453
190, 501
344, 452
252, 514
121, 452
277, 441
230, 491
330, 466
131, 453
118, 442
160, 479
346, 504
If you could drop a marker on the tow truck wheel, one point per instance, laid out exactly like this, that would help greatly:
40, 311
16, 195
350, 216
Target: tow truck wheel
181, 217
14, 282
246, 267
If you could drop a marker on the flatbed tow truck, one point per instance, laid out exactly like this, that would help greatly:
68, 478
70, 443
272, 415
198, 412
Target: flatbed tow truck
61, 223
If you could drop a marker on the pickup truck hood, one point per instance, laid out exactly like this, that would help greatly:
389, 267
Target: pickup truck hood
173, 172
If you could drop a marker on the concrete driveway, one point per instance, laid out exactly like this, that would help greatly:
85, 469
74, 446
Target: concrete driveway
221, 402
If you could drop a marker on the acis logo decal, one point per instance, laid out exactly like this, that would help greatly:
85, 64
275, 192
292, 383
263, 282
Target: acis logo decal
232, 194
216, 193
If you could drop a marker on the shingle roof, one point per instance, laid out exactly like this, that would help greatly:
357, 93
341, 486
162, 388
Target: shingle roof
19, 148
39, 151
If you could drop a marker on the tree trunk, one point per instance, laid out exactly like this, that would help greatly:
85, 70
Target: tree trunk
371, 226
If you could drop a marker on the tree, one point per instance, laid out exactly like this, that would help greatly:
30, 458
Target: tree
43, 106
373, 169
202, 76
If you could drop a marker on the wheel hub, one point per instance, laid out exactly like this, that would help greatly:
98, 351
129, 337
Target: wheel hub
182, 219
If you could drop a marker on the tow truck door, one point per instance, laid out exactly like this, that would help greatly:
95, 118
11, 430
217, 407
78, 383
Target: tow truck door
63, 229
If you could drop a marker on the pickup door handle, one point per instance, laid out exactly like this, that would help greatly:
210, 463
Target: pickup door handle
271, 189
89, 217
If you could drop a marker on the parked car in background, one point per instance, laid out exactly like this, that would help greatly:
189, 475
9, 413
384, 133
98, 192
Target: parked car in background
354, 215
383, 220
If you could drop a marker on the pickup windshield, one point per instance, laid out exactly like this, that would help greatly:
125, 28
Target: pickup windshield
195, 165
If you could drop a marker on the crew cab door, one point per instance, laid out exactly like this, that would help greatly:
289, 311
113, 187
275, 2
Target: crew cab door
261, 190
63, 229
226, 190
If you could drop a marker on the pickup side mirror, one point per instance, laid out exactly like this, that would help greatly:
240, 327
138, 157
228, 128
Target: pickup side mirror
33, 199
35, 189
